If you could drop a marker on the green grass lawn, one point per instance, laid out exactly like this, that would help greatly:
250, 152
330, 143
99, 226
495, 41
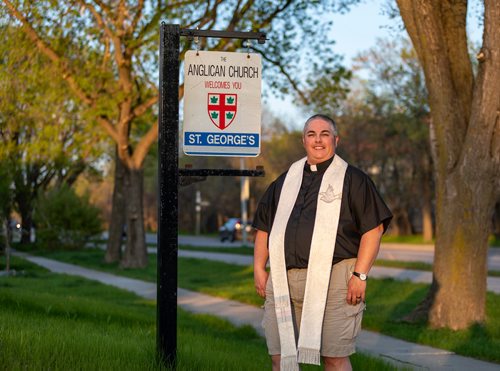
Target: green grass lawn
494, 241
387, 301
228, 250
59, 322
411, 239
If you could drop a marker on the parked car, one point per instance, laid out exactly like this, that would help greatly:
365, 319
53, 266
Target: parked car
232, 230
15, 230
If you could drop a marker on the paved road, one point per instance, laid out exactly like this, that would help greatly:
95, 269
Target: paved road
388, 251
425, 253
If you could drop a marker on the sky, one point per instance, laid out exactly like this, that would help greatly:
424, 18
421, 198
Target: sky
354, 32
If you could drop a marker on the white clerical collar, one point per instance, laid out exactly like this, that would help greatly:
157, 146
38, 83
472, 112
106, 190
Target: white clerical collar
319, 167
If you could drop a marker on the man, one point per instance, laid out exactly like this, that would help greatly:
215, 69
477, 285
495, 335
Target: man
320, 225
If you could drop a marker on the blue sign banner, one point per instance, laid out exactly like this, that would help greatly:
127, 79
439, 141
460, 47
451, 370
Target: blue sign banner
242, 140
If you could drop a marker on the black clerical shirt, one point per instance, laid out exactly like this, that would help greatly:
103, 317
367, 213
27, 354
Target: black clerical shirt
362, 209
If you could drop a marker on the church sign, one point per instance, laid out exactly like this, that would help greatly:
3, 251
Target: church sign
222, 104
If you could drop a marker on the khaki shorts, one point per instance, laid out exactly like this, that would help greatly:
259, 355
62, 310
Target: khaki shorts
341, 323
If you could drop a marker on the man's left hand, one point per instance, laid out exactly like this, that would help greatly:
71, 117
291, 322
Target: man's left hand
355, 291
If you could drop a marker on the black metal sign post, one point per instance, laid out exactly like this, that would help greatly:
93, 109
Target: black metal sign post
168, 152
168, 173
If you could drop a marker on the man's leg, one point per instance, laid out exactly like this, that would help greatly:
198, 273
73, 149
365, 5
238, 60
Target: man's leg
276, 362
270, 325
336, 364
342, 322
296, 281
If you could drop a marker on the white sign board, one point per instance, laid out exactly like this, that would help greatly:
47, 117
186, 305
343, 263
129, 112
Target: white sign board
222, 104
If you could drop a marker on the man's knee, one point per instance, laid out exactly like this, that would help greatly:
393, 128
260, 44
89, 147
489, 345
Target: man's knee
337, 363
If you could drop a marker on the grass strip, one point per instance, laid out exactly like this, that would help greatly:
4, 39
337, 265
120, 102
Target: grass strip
50, 321
226, 250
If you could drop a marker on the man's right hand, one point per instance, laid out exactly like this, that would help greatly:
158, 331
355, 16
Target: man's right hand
260, 277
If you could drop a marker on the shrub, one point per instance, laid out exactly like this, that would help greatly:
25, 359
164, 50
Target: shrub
65, 220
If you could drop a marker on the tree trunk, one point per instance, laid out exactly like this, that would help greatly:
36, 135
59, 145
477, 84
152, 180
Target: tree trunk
466, 123
135, 251
496, 221
7, 238
460, 262
118, 208
427, 231
401, 225
26, 212
426, 203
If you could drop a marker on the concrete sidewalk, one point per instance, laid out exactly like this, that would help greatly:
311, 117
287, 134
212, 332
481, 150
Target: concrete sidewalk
401, 353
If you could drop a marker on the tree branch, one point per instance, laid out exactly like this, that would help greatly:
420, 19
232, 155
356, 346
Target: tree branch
100, 21
283, 70
274, 14
50, 53
105, 8
107, 53
486, 89
140, 109
154, 22
142, 148
209, 14
454, 15
108, 127
152, 84
120, 20
237, 16
425, 24
407, 13
138, 14
147, 140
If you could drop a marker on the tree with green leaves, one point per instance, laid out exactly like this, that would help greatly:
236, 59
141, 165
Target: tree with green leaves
465, 129
42, 136
65, 220
5, 210
106, 51
396, 88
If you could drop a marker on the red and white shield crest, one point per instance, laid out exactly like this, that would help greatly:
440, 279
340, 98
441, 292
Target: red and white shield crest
222, 109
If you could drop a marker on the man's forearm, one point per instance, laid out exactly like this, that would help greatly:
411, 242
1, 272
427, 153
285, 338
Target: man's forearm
260, 256
261, 251
368, 249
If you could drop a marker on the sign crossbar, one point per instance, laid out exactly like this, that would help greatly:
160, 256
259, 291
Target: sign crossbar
221, 172
191, 33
